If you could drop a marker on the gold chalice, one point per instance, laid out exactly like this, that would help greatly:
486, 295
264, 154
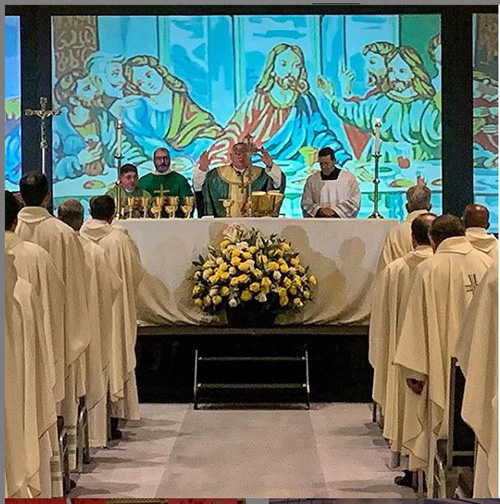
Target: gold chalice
310, 155
227, 204
145, 204
172, 205
187, 206
158, 207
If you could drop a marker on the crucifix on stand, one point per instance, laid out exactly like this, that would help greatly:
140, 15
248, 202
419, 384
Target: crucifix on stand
43, 113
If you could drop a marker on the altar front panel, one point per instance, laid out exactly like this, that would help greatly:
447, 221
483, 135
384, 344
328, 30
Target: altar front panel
343, 254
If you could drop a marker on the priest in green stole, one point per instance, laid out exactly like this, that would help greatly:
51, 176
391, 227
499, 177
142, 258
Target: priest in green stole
231, 182
172, 183
128, 189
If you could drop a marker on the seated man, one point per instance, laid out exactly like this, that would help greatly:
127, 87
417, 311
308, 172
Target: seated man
232, 181
172, 183
331, 192
128, 189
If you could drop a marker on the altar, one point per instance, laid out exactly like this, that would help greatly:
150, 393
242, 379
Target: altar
342, 254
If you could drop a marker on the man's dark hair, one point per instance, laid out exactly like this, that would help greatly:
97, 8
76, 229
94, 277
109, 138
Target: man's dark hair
71, 212
446, 226
102, 207
34, 188
12, 208
420, 228
476, 216
128, 167
326, 151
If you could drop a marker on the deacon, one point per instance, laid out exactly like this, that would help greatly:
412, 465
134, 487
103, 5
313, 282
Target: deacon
477, 355
128, 189
440, 293
172, 183
124, 258
331, 192
34, 265
104, 287
236, 181
476, 220
388, 308
37, 378
398, 241
37, 225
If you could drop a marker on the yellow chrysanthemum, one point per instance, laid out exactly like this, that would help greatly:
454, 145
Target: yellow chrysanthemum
273, 266
225, 275
283, 301
223, 266
198, 302
313, 280
264, 290
216, 300
234, 281
213, 279
244, 278
235, 260
236, 252
246, 295
247, 255
285, 246
207, 301
284, 268
282, 292
307, 294
297, 281
254, 287
224, 291
244, 266
264, 259
293, 290
197, 290
252, 249
258, 274
224, 243
266, 282
295, 261
287, 283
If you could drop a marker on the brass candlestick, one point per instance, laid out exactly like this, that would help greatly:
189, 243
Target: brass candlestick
145, 205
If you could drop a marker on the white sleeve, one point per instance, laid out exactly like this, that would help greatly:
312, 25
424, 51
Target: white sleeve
276, 175
199, 177
349, 207
309, 206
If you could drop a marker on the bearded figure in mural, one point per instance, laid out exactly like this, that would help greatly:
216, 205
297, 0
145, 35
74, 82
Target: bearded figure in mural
281, 115
158, 110
410, 116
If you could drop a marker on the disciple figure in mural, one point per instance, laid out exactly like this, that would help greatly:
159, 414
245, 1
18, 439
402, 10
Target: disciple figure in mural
157, 109
410, 116
434, 51
281, 115
13, 140
107, 71
85, 133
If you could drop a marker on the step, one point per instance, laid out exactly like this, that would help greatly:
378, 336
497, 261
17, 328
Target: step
250, 359
251, 385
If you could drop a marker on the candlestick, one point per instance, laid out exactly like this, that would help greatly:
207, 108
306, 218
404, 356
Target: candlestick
378, 124
119, 130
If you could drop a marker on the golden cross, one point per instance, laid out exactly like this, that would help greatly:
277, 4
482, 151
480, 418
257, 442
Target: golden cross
161, 191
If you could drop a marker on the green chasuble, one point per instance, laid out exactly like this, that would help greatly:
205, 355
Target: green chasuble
138, 193
226, 183
174, 184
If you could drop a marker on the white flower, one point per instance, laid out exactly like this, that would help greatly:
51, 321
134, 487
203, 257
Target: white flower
292, 271
197, 275
213, 292
233, 303
206, 274
220, 260
261, 298
242, 245
277, 275
232, 271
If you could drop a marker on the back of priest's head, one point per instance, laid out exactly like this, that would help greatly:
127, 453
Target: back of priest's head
102, 208
476, 216
420, 228
71, 212
445, 226
12, 208
34, 189
418, 197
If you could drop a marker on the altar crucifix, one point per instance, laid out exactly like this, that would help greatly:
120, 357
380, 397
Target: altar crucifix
43, 113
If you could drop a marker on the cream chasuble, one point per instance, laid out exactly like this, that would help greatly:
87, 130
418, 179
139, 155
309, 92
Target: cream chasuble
481, 240
398, 240
440, 293
477, 354
341, 195
104, 286
388, 308
123, 256
34, 264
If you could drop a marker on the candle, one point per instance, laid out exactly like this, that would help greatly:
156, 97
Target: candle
119, 139
378, 123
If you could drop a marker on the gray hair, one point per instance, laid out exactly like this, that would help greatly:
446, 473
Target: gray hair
418, 198
71, 212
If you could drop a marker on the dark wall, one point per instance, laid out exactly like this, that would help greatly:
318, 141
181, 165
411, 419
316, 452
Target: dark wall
456, 36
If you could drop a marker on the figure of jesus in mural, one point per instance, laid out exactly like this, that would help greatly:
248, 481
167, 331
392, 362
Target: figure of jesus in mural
281, 115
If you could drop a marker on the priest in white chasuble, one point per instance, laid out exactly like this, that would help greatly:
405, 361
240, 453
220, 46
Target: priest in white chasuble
476, 220
124, 257
398, 241
440, 293
37, 225
30, 409
477, 355
104, 286
331, 192
389, 305
33, 264
236, 181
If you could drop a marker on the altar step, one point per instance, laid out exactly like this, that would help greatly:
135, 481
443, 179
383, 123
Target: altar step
225, 372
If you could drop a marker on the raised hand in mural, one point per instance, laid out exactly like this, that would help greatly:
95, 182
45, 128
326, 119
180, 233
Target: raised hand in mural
326, 87
346, 78
204, 161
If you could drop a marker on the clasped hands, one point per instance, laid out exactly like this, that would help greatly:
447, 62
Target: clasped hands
327, 212
416, 386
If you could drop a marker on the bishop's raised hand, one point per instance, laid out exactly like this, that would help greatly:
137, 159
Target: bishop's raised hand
204, 161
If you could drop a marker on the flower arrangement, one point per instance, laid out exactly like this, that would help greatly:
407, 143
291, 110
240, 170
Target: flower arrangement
248, 270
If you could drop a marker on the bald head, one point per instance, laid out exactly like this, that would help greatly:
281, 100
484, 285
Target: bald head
418, 197
71, 212
420, 228
476, 216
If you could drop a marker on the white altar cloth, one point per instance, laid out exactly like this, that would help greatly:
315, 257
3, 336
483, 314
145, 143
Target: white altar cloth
341, 253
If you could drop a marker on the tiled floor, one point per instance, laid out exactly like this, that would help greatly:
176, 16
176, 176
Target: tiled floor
332, 450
